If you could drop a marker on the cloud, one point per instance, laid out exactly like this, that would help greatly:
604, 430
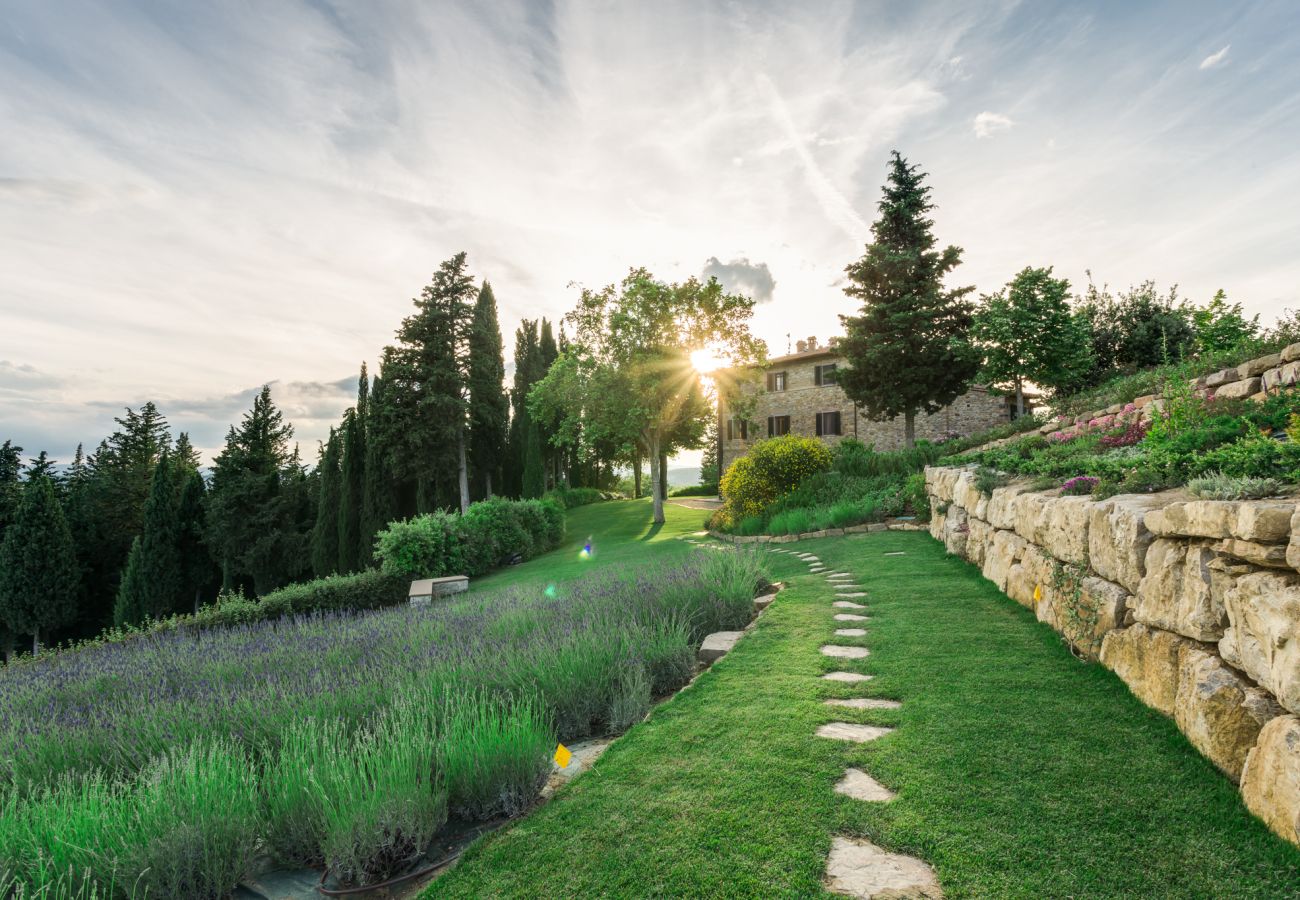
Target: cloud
20, 379
1214, 60
740, 276
988, 123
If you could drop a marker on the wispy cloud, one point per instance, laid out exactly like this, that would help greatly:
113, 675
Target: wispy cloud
1215, 59
224, 195
989, 123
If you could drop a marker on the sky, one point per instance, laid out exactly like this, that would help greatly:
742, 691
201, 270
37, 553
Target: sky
197, 199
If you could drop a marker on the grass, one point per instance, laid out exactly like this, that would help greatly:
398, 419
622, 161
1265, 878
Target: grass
1020, 771
620, 534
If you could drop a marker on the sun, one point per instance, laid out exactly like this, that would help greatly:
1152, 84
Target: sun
708, 359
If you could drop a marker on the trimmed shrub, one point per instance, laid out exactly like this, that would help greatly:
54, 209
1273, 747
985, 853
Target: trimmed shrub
771, 469
571, 497
489, 534
1218, 486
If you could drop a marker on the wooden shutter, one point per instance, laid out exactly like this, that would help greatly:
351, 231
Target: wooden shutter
835, 421
819, 424
731, 431
817, 379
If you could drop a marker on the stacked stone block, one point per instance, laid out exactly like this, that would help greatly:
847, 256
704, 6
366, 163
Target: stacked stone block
1194, 604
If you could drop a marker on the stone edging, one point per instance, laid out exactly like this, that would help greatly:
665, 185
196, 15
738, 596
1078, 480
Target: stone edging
810, 535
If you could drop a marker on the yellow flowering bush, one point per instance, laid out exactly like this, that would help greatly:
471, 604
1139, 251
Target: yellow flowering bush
770, 470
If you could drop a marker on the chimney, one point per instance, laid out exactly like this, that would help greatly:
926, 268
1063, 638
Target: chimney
800, 346
812, 342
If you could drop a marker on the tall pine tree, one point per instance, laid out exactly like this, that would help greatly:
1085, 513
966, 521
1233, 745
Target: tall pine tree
352, 490
489, 411
427, 388
527, 363
128, 606
38, 566
909, 349
325, 534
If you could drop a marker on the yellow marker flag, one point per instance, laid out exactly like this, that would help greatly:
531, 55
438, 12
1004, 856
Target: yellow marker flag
1038, 593
562, 756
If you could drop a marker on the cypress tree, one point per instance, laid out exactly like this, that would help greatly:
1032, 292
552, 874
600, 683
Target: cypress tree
128, 608
527, 359
909, 350
161, 578
197, 571
11, 473
352, 486
534, 474
489, 410
325, 535
379, 506
38, 566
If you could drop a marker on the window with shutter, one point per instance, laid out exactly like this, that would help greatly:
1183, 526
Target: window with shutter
824, 374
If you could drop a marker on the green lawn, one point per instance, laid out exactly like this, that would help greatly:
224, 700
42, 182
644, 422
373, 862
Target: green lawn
621, 535
1020, 772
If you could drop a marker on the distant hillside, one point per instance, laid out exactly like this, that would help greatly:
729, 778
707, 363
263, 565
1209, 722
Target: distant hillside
684, 477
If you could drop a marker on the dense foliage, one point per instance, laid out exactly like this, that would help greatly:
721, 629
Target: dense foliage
336, 725
770, 469
490, 533
908, 350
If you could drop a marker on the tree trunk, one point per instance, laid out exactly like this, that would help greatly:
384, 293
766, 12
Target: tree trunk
36, 641
462, 469
909, 428
656, 479
663, 474
636, 477
197, 598
1020, 399
487, 484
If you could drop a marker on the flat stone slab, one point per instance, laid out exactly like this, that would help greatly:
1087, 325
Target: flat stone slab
841, 652
865, 703
850, 593
851, 617
717, 645
763, 602
858, 868
847, 677
847, 731
861, 786
816, 569
896, 553
843, 587
584, 754
851, 632
848, 604
836, 576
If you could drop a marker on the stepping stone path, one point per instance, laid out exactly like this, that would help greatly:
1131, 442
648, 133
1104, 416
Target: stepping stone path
763, 602
838, 651
815, 569
858, 868
847, 731
897, 553
861, 786
865, 703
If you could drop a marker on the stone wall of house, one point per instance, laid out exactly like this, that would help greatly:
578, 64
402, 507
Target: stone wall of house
1195, 604
973, 412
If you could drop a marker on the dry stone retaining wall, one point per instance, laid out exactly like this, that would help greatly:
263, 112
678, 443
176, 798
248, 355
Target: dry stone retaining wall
1195, 604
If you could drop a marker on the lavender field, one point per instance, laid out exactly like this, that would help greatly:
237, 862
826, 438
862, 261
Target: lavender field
174, 758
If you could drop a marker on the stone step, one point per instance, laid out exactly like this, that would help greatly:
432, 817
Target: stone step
850, 593
847, 677
848, 604
848, 731
716, 645
839, 576
861, 786
851, 617
763, 602
850, 632
865, 703
836, 650
858, 868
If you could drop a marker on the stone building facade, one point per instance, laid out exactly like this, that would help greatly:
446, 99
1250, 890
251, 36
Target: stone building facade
800, 396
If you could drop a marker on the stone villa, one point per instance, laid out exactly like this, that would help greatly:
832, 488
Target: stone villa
801, 397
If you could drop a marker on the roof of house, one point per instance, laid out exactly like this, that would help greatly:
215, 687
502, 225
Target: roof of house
806, 354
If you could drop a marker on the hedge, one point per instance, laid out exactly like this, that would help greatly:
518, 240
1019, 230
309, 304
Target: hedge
490, 534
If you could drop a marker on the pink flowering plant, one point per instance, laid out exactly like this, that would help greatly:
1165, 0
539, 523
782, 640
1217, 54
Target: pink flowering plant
1080, 485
